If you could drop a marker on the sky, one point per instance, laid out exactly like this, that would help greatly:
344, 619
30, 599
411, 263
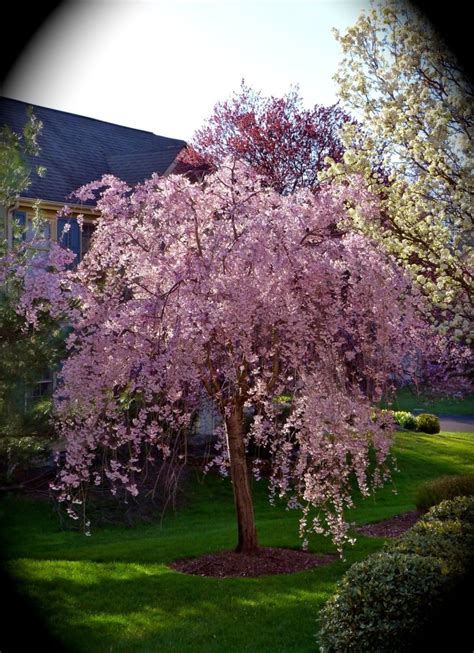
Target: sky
161, 65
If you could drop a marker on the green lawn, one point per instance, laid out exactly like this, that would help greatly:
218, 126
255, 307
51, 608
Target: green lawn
408, 399
114, 591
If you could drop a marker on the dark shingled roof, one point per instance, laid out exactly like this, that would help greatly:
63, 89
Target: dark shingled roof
76, 150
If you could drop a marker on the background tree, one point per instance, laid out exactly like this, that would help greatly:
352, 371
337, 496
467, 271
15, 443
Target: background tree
16, 151
281, 140
230, 291
25, 351
416, 125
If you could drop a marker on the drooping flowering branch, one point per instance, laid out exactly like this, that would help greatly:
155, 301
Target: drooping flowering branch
230, 291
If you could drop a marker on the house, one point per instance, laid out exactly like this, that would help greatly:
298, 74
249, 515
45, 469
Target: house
76, 150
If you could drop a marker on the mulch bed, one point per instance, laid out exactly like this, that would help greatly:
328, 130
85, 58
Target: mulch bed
393, 527
266, 562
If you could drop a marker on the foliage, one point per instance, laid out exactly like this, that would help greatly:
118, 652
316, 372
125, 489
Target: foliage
15, 151
387, 602
447, 487
414, 146
404, 419
20, 452
229, 290
26, 352
284, 143
459, 508
427, 423
444, 540
445, 532
382, 604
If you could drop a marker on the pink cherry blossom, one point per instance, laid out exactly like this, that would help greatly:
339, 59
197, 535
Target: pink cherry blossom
229, 292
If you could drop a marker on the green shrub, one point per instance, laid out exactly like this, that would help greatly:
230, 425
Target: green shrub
446, 532
382, 604
393, 600
22, 452
459, 508
426, 423
404, 419
446, 487
445, 540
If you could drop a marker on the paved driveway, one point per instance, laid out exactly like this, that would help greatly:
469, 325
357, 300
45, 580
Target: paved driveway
464, 423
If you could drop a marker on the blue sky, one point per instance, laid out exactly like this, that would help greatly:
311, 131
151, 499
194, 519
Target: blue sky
161, 65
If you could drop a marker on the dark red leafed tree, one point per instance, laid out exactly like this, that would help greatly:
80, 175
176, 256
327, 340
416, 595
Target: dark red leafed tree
283, 142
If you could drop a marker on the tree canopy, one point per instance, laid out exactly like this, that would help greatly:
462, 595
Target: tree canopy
284, 142
15, 168
230, 291
414, 146
25, 352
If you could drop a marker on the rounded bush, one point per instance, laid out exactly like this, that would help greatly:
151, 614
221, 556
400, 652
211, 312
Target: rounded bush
382, 604
427, 423
404, 419
446, 532
433, 492
395, 600
445, 540
459, 508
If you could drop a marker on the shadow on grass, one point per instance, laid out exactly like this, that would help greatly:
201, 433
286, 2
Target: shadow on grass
134, 607
23, 624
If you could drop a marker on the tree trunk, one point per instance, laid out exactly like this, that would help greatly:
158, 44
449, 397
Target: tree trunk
241, 483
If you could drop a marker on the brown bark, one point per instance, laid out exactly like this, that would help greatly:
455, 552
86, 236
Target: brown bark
241, 483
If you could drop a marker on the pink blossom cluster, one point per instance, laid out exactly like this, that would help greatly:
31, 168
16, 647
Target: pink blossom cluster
228, 290
37, 270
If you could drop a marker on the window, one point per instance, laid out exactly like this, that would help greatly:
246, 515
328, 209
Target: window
87, 230
23, 228
18, 226
40, 389
74, 238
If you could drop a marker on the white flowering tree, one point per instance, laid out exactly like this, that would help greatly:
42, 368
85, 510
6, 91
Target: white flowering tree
414, 145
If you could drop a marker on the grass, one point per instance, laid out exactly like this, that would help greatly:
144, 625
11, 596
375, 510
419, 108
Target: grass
114, 591
408, 399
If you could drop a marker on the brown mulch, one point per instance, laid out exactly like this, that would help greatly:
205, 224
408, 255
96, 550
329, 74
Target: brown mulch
393, 527
266, 562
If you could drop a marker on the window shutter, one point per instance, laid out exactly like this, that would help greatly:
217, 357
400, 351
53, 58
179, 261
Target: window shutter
75, 237
72, 238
